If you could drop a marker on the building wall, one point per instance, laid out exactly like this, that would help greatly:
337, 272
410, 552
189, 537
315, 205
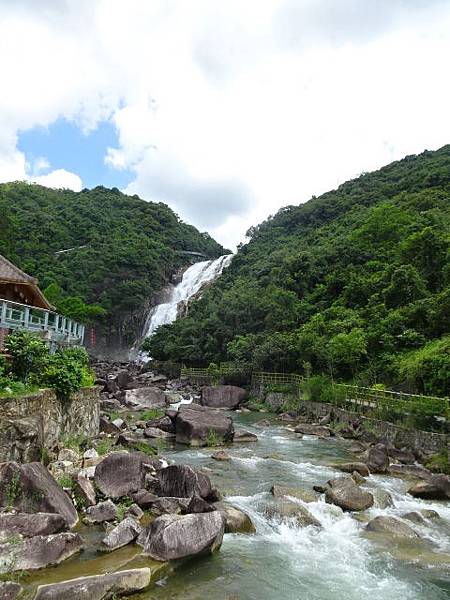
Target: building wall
37, 421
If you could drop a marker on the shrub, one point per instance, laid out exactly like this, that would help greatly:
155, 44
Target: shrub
28, 353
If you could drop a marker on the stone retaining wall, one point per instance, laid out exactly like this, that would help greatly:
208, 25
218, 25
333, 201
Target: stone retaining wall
31, 423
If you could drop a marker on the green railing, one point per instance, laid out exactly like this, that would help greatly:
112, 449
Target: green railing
425, 412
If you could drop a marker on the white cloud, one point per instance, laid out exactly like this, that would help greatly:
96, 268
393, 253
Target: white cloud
59, 178
228, 111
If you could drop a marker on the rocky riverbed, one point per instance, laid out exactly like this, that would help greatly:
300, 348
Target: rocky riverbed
182, 497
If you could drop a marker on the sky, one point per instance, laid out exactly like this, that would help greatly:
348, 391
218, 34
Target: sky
226, 111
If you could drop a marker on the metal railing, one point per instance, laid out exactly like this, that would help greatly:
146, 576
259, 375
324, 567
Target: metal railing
55, 328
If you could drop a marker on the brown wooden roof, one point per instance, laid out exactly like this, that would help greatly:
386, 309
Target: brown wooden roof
9, 273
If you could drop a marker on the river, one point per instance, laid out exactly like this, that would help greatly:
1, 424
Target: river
340, 561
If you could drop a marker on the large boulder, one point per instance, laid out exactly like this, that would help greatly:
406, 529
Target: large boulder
122, 534
97, 587
38, 552
318, 430
437, 488
30, 489
122, 473
10, 590
101, 512
223, 396
391, 526
236, 520
28, 525
172, 537
282, 509
144, 398
84, 492
378, 458
200, 426
343, 492
183, 481
279, 491
242, 436
350, 467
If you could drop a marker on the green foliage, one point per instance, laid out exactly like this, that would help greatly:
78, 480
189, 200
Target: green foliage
428, 368
150, 414
74, 442
212, 439
13, 491
104, 446
438, 463
145, 448
64, 373
27, 352
346, 285
122, 507
65, 481
123, 249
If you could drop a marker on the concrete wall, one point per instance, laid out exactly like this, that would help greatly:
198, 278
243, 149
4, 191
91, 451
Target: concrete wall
30, 423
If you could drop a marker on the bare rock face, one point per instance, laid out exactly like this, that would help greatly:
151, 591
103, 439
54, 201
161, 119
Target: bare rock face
169, 506
101, 512
154, 432
124, 533
28, 525
183, 481
122, 473
172, 537
378, 458
391, 526
144, 499
198, 425
223, 396
97, 587
437, 488
345, 493
38, 552
144, 398
30, 488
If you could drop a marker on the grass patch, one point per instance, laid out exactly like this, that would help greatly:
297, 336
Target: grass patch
74, 442
104, 446
65, 481
212, 439
145, 448
122, 507
438, 463
150, 414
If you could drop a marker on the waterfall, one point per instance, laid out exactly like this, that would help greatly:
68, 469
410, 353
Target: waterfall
194, 278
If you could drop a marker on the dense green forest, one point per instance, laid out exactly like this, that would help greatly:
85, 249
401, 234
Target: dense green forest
125, 249
354, 284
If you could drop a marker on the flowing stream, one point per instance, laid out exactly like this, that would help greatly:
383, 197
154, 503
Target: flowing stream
194, 278
284, 562
340, 561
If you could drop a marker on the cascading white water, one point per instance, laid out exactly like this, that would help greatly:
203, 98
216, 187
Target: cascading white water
193, 280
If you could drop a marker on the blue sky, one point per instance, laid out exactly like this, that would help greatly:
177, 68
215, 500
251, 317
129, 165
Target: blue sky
64, 145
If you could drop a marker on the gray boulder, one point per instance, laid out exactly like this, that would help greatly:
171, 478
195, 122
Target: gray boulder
154, 432
223, 396
283, 509
244, 436
97, 587
437, 488
28, 525
84, 491
122, 534
409, 471
199, 426
144, 499
343, 492
221, 455
391, 526
122, 473
30, 488
305, 495
318, 430
101, 512
350, 467
144, 398
10, 590
38, 552
169, 506
172, 537
183, 481
378, 458
236, 520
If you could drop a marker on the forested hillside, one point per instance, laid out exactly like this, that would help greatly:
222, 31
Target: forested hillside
125, 249
354, 284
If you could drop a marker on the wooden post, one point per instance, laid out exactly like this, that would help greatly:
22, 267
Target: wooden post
26, 317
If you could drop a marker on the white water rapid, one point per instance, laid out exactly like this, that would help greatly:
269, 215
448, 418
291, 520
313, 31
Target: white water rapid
194, 278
